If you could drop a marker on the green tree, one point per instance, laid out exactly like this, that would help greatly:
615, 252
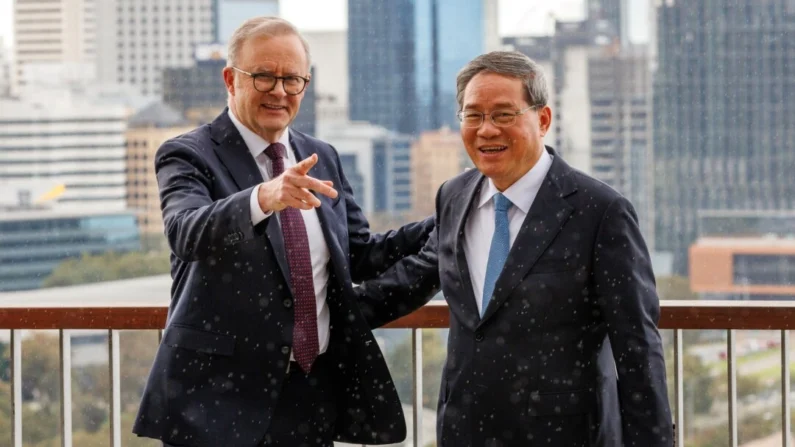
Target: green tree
5, 362
750, 428
156, 242
90, 397
41, 369
699, 386
678, 288
137, 351
90, 393
675, 288
433, 357
5, 413
42, 422
40, 391
108, 267
747, 385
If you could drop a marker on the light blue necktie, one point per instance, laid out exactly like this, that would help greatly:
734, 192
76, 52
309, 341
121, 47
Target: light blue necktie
500, 245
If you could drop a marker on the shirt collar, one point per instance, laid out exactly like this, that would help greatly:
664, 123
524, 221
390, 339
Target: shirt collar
255, 143
523, 191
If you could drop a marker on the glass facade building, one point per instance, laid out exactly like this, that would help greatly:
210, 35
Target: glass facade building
232, 13
724, 138
33, 243
403, 58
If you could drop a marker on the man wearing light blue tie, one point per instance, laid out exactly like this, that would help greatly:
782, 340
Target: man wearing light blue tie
553, 310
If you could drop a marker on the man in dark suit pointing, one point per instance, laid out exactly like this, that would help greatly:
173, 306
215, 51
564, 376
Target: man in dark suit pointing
265, 343
553, 311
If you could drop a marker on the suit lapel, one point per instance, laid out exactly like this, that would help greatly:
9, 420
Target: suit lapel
320, 171
547, 216
328, 222
466, 198
235, 155
273, 230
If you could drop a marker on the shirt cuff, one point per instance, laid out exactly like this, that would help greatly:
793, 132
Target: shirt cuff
257, 215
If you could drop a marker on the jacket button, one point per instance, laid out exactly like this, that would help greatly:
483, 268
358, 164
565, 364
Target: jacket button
479, 336
285, 349
288, 303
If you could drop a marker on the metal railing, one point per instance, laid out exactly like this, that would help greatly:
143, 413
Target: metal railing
730, 316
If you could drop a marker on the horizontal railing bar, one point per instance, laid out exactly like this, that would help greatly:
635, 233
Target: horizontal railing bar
83, 317
740, 315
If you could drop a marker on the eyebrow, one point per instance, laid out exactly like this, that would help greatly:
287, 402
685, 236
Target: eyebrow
259, 70
500, 105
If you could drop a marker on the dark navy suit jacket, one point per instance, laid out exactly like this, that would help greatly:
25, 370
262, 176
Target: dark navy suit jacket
225, 350
568, 352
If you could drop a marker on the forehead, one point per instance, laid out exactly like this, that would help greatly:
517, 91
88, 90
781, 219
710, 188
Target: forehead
486, 89
271, 53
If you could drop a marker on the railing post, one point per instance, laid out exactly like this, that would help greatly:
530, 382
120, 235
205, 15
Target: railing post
416, 366
679, 393
66, 388
16, 388
114, 361
732, 366
785, 390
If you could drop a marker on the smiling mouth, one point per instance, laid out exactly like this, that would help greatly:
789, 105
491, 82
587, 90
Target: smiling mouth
272, 107
492, 149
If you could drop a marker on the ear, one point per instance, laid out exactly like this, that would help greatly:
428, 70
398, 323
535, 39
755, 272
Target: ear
545, 119
229, 80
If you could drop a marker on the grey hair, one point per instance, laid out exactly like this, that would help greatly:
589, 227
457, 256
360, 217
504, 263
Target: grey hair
509, 63
262, 26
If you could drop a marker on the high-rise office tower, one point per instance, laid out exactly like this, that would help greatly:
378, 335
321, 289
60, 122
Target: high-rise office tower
70, 142
231, 13
5, 70
138, 39
600, 94
619, 82
403, 58
723, 114
615, 12
377, 163
52, 32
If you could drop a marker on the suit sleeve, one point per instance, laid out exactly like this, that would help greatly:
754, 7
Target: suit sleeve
371, 254
196, 226
628, 300
406, 286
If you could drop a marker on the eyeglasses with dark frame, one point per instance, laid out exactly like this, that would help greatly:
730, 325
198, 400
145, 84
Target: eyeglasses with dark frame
265, 82
499, 117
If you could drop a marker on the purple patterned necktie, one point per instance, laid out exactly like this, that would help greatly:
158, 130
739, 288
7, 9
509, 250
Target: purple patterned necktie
296, 242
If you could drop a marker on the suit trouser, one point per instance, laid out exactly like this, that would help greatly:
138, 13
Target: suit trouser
305, 414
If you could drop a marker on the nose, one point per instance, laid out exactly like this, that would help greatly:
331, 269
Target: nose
488, 129
278, 89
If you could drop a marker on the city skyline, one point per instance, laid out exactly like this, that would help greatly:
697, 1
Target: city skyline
516, 17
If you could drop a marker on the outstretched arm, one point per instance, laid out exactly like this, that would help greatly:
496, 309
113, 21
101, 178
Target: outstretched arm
406, 286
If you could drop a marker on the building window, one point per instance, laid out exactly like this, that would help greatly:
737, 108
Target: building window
771, 270
24, 198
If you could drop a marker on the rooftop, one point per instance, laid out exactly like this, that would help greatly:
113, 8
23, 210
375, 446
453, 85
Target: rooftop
157, 114
145, 291
12, 215
743, 242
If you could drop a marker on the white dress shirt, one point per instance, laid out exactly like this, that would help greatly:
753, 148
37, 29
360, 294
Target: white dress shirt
479, 227
318, 249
